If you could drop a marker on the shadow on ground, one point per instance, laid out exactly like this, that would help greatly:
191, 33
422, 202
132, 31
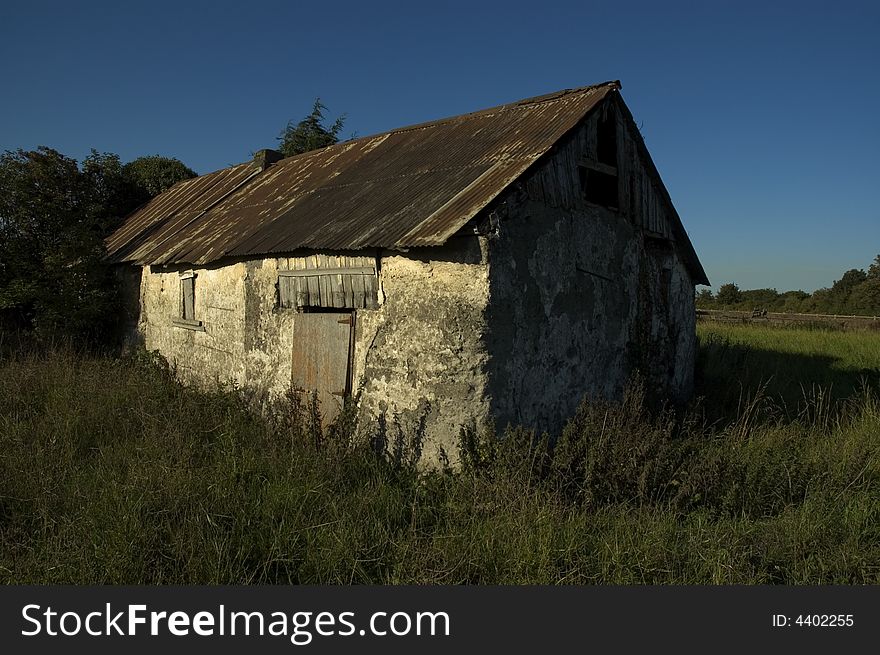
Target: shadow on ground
730, 376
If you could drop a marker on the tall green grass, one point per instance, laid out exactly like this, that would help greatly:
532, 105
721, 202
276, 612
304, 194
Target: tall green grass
112, 472
787, 370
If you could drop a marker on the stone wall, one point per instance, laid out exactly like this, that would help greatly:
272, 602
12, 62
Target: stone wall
419, 357
563, 289
215, 352
581, 295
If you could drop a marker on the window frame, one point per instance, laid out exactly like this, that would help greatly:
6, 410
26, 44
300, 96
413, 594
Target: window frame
587, 166
187, 291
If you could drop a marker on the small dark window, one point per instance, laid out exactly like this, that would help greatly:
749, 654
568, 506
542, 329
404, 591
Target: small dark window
599, 187
606, 140
188, 298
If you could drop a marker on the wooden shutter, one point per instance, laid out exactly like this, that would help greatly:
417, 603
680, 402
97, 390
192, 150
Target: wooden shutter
349, 288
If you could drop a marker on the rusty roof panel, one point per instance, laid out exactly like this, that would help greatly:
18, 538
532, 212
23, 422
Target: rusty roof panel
414, 186
164, 220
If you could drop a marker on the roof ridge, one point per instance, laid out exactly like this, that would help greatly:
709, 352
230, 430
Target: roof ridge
525, 102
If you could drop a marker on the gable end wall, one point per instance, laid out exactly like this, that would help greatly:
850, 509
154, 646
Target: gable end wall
580, 296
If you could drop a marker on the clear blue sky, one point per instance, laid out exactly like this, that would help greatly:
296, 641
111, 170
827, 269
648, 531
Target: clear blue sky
763, 119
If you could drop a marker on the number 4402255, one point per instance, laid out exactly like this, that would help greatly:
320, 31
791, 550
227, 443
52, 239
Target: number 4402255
825, 620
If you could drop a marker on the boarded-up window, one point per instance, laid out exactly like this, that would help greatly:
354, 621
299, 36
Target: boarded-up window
188, 298
187, 305
343, 288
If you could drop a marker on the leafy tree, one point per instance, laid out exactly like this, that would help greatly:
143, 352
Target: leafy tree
842, 288
109, 194
149, 176
728, 294
865, 298
848, 282
820, 302
874, 269
759, 298
310, 133
51, 245
792, 301
705, 299
54, 216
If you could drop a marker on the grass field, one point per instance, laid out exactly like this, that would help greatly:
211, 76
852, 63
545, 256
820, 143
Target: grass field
111, 472
796, 369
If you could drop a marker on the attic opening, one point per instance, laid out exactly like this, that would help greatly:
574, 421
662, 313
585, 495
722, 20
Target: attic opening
606, 140
599, 175
599, 186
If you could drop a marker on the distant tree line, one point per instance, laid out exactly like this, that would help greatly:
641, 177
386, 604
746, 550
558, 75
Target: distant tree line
857, 292
54, 216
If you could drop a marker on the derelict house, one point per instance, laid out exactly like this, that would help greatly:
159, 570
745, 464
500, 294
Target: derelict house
500, 264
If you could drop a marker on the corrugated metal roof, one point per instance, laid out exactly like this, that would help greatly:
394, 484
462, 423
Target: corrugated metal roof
414, 186
163, 221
